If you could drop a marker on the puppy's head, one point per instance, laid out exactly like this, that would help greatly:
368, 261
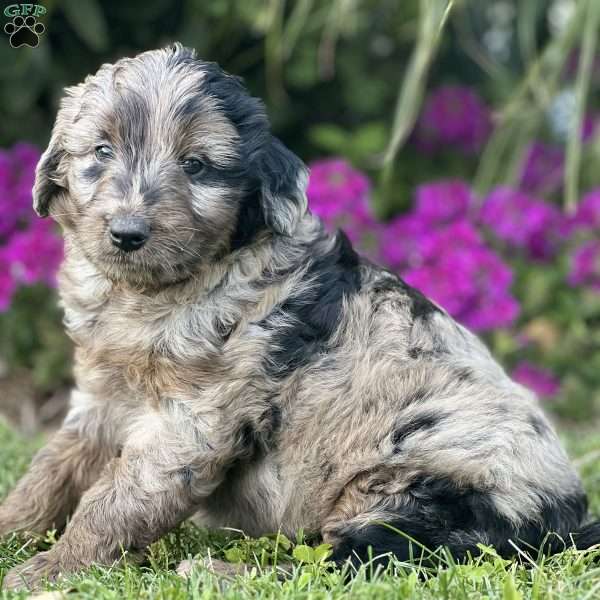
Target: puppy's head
163, 163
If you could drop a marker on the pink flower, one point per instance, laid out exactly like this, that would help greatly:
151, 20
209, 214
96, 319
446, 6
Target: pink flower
443, 201
589, 127
585, 265
539, 380
436, 204
401, 241
523, 221
454, 117
587, 217
17, 173
335, 188
339, 194
543, 169
453, 266
33, 255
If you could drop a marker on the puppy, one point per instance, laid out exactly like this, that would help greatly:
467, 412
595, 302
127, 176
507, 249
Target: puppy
236, 362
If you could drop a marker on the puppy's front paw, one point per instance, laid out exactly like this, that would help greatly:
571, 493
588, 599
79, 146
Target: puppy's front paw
33, 573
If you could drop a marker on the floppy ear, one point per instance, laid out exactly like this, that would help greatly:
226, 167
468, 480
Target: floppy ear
50, 175
47, 180
283, 179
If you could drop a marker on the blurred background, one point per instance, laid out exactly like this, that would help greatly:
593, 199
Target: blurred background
458, 143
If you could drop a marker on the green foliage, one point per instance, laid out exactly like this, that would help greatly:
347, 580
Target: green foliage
32, 337
359, 145
88, 22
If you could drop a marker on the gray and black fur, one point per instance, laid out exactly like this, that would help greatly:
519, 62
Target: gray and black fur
236, 362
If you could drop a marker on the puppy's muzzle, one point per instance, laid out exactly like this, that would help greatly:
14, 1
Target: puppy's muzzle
129, 233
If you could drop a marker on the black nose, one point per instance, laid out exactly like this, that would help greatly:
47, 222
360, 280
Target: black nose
129, 233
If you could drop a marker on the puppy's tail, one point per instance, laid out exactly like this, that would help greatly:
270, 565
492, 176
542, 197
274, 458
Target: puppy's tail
584, 538
587, 536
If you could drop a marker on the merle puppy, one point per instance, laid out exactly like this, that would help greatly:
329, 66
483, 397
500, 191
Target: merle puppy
236, 362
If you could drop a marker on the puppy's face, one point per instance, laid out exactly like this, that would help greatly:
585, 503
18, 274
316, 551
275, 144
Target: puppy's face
161, 164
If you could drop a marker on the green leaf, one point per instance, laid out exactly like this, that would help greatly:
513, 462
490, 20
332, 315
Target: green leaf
510, 591
234, 555
86, 18
304, 580
304, 554
281, 541
369, 139
322, 552
329, 137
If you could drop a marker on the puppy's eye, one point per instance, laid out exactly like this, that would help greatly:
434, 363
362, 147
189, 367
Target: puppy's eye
103, 152
192, 166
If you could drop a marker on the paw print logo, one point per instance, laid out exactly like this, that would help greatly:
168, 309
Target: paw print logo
24, 31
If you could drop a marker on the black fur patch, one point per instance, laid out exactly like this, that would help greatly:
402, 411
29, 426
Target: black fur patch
587, 536
250, 221
423, 422
244, 111
563, 516
439, 513
123, 184
416, 352
93, 172
223, 330
247, 439
274, 416
418, 395
464, 375
314, 316
252, 439
538, 425
420, 305
327, 469
187, 474
389, 285
278, 172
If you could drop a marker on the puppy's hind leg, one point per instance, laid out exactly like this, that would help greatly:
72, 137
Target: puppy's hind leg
411, 527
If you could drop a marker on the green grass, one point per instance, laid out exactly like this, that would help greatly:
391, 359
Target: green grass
570, 575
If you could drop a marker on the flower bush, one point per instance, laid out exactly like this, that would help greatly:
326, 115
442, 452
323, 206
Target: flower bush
509, 264
438, 248
30, 252
469, 209
30, 249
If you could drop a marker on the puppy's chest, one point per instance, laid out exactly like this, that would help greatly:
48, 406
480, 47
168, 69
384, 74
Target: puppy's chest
157, 356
